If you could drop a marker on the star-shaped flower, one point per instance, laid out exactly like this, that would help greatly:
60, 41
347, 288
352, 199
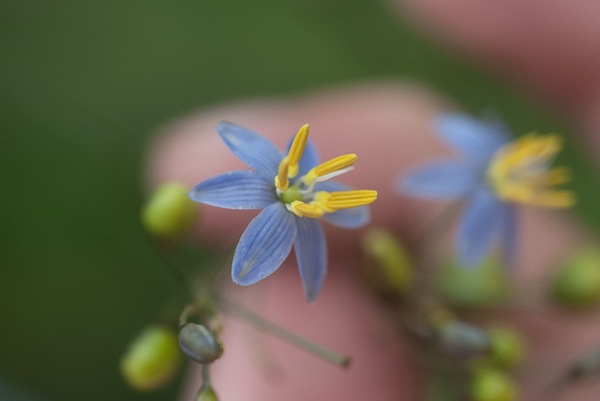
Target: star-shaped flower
492, 175
293, 191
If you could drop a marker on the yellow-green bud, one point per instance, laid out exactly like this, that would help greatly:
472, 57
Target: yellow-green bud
577, 283
492, 385
207, 393
169, 212
508, 348
152, 359
389, 267
199, 343
481, 285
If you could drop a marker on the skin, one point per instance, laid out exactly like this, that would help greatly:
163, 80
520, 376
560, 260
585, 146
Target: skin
547, 49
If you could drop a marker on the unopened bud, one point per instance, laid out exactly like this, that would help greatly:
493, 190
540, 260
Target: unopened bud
462, 340
508, 347
169, 212
199, 343
207, 393
478, 286
152, 359
492, 385
389, 267
577, 284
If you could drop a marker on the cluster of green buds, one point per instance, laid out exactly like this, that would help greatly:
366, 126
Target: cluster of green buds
487, 357
480, 361
153, 358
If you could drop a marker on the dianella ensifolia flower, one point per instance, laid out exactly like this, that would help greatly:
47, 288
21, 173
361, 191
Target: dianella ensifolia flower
493, 174
294, 191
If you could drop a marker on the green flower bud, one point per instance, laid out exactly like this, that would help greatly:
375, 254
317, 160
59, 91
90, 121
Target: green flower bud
389, 267
482, 285
152, 359
577, 283
508, 347
492, 385
169, 212
462, 340
207, 393
199, 343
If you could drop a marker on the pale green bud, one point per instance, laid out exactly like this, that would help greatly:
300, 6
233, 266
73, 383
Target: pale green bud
508, 347
207, 394
169, 212
479, 286
388, 265
492, 385
152, 359
199, 343
577, 283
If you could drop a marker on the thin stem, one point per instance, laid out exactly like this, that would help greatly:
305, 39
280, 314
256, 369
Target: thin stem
260, 323
206, 375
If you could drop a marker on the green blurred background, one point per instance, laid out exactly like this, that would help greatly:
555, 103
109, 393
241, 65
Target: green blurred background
84, 84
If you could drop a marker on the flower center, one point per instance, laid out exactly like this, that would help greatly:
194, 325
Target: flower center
298, 193
294, 193
520, 172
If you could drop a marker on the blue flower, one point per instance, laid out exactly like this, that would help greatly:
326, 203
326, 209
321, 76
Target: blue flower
492, 175
293, 191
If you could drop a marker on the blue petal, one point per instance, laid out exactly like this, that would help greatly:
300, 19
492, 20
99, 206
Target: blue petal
476, 139
251, 148
236, 190
309, 159
478, 227
264, 245
346, 218
311, 254
439, 180
349, 218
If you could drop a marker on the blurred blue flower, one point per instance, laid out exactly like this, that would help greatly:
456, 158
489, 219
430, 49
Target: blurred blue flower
492, 175
293, 192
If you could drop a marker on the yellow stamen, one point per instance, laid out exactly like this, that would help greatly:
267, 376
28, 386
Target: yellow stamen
297, 149
330, 202
329, 167
281, 179
520, 172
302, 209
348, 199
288, 167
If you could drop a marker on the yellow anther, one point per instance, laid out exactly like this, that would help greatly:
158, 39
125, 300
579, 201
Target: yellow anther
330, 202
288, 167
520, 172
297, 149
281, 179
329, 167
349, 199
302, 209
